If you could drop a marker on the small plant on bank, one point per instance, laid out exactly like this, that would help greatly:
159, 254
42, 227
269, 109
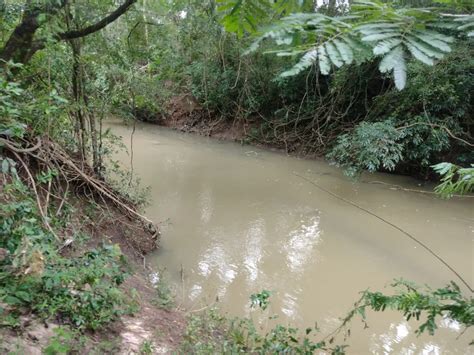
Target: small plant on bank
261, 299
146, 348
164, 297
65, 341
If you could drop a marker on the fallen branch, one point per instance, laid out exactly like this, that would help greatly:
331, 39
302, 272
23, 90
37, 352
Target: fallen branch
398, 187
14, 148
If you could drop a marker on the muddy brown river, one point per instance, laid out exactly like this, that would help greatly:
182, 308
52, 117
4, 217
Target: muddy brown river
238, 219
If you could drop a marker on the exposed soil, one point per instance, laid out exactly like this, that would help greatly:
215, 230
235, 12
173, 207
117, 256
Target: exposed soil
185, 114
159, 328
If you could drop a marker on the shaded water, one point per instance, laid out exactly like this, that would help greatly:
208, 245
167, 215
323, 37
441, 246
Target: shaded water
238, 220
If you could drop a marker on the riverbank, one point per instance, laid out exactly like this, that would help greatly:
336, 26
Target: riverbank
184, 114
88, 289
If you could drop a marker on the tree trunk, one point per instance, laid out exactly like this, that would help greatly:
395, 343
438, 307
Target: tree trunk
20, 43
77, 94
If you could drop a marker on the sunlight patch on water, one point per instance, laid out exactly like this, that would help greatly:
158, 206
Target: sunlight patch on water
206, 205
301, 243
290, 305
253, 249
385, 342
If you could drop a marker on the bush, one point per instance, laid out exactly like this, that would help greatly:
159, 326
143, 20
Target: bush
411, 130
371, 146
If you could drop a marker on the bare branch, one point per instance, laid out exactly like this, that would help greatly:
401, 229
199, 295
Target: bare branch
98, 25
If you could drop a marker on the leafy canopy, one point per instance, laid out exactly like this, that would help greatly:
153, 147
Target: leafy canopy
368, 30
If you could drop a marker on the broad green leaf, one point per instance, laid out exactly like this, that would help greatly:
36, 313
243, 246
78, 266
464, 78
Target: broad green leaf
419, 55
333, 54
324, 63
385, 46
344, 50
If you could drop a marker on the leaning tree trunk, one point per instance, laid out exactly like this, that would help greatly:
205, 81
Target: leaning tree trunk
77, 92
18, 47
21, 45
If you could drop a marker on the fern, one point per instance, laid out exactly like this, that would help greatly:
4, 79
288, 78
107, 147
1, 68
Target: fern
327, 41
465, 24
372, 30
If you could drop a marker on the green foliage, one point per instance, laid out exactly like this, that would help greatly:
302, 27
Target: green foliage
146, 348
82, 290
261, 299
371, 146
368, 30
246, 16
454, 179
414, 302
164, 294
422, 120
19, 108
65, 341
213, 333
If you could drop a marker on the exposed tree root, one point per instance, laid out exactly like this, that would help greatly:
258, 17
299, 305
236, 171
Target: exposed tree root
46, 154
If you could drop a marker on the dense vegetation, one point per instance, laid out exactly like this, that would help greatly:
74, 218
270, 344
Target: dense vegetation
347, 82
355, 115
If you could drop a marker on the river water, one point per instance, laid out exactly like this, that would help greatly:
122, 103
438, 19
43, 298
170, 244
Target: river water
238, 219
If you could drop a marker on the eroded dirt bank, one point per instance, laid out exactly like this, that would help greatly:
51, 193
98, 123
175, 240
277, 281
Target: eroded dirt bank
146, 327
185, 114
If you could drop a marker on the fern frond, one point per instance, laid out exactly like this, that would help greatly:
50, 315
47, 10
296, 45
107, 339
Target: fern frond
465, 24
333, 54
423, 47
308, 59
345, 51
324, 63
372, 29
384, 47
395, 61
419, 55
432, 41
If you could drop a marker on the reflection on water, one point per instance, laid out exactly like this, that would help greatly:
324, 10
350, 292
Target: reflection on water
253, 249
241, 221
300, 247
383, 343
